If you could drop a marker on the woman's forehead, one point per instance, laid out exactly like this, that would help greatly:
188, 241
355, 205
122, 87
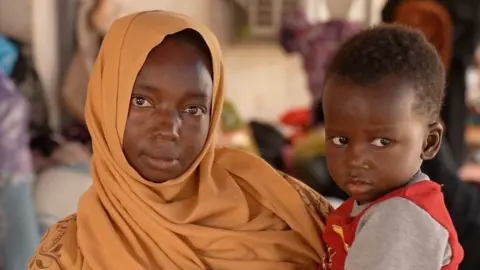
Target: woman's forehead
178, 56
175, 67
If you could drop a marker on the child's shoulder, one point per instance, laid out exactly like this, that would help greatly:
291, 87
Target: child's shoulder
424, 194
419, 203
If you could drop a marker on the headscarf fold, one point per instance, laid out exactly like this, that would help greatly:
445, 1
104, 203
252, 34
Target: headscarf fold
229, 210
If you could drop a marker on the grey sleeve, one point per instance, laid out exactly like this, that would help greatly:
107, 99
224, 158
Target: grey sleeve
399, 235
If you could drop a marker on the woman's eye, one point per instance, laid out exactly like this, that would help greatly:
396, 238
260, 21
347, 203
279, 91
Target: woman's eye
141, 102
381, 142
195, 111
340, 140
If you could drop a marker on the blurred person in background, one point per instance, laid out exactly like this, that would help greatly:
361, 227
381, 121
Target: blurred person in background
19, 228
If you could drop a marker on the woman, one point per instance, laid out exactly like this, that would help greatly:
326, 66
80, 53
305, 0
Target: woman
162, 196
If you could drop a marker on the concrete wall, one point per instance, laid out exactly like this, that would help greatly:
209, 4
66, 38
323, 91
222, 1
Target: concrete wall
217, 14
15, 17
264, 82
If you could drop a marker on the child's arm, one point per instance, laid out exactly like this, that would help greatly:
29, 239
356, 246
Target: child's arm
398, 234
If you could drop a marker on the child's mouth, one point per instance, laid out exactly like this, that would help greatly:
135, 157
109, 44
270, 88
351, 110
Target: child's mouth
358, 187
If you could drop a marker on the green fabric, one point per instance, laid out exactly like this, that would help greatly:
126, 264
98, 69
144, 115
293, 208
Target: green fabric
231, 120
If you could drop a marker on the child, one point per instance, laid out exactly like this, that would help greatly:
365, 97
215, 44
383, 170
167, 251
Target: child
383, 94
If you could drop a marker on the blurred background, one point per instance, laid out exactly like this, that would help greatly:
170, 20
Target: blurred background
276, 53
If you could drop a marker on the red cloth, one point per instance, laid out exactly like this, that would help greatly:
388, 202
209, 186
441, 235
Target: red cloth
297, 118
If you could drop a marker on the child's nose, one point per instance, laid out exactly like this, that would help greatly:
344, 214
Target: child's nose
357, 156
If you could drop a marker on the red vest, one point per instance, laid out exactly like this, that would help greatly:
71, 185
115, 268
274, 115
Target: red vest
341, 227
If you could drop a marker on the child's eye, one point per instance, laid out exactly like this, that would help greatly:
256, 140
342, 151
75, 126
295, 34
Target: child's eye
340, 140
195, 110
381, 142
141, 102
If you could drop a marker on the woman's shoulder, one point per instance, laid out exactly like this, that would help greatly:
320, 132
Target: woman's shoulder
58, 246
312, 199
242, 161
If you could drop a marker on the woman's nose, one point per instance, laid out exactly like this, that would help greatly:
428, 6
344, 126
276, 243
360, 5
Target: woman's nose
167, 124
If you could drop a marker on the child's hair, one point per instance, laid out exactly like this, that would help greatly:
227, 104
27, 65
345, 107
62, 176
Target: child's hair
397, 51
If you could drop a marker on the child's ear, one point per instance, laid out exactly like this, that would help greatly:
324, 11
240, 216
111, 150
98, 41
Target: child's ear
432, 142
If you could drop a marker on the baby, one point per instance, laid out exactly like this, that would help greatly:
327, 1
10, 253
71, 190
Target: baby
382, 98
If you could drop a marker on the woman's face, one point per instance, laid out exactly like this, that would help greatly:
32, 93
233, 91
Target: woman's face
169, 116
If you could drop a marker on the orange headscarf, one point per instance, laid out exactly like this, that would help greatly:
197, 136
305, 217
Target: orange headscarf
433, 20
229, 210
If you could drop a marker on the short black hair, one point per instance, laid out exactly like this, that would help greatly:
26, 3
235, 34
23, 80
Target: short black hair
195, 39
393, 50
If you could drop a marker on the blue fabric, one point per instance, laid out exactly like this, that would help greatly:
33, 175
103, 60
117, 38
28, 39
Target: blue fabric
8, 55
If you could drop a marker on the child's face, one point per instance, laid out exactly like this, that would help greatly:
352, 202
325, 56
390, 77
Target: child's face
375, 140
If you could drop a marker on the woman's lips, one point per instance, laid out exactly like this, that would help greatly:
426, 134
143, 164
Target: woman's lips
162, 163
